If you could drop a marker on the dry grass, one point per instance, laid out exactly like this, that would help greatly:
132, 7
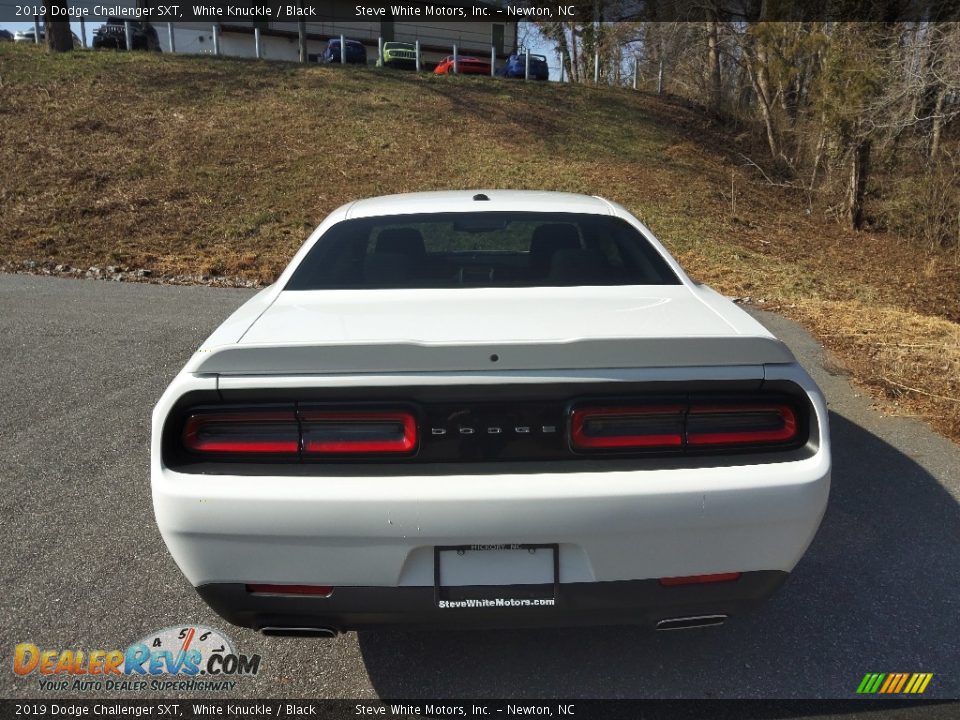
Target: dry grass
221, 167
911, 362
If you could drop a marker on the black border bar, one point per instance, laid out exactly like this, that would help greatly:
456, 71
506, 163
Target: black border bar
499, 11
187, 709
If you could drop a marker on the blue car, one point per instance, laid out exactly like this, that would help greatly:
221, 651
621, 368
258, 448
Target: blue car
356, 52
515, 67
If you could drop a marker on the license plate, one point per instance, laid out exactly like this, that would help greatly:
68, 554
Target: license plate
496, 576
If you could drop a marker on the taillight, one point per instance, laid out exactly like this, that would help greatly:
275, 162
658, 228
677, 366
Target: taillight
681, 425
282, 433
627, 427
740, 424
314, 590
699, 579
332, 432
243, 432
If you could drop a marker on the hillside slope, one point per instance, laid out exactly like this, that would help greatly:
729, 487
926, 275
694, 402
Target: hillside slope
220, 167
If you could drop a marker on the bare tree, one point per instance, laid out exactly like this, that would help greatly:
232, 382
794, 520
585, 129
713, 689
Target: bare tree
714, 78
58, 34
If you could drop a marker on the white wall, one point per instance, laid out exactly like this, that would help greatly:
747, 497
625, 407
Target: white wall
195, 39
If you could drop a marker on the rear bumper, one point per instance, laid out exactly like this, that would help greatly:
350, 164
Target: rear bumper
643, 602
380, 531
372, 537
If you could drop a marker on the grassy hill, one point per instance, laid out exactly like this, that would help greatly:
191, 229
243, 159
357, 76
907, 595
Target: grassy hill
221, 167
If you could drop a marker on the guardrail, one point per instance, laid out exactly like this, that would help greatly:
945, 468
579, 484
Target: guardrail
301, 34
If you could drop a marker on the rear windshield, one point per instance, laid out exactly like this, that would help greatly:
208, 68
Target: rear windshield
484, 249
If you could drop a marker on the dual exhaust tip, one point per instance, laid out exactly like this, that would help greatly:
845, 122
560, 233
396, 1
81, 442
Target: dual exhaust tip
317, 632
678, 623
690, 622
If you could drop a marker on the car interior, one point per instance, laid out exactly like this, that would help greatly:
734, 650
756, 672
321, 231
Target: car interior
481, 251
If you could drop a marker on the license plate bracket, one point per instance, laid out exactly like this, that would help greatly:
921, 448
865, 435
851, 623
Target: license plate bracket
468, 575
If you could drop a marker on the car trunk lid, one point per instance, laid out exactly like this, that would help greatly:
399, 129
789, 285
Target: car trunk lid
361, 331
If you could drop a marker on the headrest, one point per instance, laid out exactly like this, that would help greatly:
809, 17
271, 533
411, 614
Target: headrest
400, 241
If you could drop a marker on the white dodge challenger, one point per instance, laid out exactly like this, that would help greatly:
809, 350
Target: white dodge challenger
487, 408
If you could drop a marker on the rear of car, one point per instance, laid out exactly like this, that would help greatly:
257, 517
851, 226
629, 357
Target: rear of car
516, 67
28, 35
356, 52
487, 409
464, 65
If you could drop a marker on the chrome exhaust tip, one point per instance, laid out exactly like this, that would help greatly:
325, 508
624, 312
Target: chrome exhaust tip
692, 621
322, 632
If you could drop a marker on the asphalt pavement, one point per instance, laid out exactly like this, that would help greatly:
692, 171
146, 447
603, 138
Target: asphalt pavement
82, 364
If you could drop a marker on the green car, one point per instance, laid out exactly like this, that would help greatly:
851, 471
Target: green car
398, 55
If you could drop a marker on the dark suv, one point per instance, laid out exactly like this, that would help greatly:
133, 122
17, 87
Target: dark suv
111, 35
356, 52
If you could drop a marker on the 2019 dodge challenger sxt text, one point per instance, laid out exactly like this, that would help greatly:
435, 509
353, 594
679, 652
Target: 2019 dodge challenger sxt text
487, 408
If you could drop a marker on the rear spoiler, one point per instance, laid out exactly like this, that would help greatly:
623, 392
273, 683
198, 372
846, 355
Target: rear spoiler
358, 358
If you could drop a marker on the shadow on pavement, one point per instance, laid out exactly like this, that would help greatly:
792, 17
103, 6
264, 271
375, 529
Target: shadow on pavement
876, 592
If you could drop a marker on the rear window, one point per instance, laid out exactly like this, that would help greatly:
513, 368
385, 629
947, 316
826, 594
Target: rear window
485, 249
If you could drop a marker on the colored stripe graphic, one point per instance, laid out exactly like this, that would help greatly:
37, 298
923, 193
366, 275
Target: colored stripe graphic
914, 682
892, 679
894, 683
870, 683
920, 683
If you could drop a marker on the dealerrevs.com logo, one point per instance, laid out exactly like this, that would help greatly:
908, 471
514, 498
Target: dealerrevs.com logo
172, 659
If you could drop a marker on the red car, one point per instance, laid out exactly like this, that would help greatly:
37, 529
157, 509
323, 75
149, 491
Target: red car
466, 65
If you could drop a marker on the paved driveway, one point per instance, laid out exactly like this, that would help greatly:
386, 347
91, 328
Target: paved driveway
82, 363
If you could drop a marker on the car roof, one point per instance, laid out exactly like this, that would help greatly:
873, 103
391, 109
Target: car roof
463, 201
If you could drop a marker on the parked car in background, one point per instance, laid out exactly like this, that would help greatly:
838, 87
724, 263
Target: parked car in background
466, 65
516, 64
491, 408
27, 36
356, 52
398, 55
112, 35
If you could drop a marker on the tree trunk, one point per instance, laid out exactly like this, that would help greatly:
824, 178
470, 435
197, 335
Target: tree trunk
574, 55
714, 80
761, 89
561, 40
818, 155
59, 37
937, 129
859, 174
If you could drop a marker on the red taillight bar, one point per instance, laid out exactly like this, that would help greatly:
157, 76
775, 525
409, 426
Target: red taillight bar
331, 432
699, 579
287, 433
681, 425
243, 432
315, 590
664, 423
733, 436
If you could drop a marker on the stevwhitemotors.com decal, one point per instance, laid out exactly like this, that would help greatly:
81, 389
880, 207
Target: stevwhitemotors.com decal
173, 659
